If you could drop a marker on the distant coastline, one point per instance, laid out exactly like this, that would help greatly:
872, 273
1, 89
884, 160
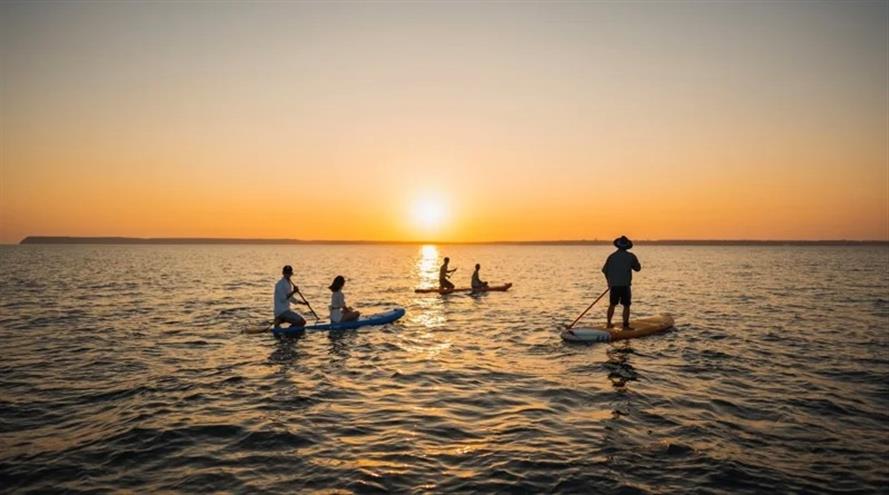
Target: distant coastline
594, 242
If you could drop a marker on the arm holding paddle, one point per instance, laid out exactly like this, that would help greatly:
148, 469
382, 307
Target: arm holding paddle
293, 299
304, 301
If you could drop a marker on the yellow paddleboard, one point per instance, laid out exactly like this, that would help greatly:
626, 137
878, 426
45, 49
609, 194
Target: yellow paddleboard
640, 327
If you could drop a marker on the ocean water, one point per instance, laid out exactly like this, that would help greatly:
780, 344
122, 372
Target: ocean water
125, 368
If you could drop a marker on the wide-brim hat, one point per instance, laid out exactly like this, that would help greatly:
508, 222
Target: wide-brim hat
623, 243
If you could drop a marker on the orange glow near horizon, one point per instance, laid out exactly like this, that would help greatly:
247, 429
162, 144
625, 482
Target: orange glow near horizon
428, 214
370, 122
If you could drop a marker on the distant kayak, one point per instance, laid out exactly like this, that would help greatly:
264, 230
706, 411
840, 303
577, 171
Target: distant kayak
640, 328
374, 319
492, 288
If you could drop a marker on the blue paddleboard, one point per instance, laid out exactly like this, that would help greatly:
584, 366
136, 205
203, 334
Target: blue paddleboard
374, 319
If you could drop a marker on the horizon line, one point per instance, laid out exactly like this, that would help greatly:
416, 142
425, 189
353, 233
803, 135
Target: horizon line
294, 241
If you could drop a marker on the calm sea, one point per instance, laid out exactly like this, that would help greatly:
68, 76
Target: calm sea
125, 368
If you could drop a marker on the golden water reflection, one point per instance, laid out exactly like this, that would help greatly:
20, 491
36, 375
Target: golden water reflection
427, 264
429, 311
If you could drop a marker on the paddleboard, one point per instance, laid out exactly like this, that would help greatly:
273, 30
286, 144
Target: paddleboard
490, 288
374, 319
641, 327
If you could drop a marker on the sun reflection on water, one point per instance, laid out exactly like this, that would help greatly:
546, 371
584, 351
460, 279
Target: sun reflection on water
430, 311
426, 265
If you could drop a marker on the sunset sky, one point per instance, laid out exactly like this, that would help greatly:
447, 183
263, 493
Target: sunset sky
445, 121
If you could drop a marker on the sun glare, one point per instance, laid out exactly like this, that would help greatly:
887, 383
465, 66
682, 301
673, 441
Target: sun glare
428, 214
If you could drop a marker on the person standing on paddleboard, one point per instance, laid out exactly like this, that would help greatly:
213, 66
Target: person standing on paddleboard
618, 270
284, 291
444, 274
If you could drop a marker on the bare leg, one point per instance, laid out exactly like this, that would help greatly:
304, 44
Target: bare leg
610, 315
350, 315
626, 317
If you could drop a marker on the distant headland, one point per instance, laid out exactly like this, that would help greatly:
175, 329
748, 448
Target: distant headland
582, 242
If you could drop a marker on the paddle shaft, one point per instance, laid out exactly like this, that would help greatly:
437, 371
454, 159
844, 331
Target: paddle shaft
589, 308
307, 302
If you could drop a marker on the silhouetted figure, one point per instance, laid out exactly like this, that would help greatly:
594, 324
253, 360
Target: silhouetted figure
339, 312
284, 291
618, 270
444, 274
478, 283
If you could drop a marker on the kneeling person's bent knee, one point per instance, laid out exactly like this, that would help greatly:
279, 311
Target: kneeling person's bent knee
292, 317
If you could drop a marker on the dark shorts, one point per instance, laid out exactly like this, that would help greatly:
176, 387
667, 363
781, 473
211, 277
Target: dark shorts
621, 295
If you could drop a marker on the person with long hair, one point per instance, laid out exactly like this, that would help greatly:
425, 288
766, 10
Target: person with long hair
339, 312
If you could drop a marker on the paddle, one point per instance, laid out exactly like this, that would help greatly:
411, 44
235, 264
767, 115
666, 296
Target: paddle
296, 289
588, 308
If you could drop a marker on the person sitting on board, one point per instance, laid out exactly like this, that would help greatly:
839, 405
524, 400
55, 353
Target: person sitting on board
444, 274
477, 283
618, 270
284, 291
339, 312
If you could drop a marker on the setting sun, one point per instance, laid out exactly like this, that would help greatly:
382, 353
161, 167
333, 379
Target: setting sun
429, 214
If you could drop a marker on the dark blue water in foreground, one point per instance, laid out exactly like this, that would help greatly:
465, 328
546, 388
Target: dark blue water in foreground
124, 368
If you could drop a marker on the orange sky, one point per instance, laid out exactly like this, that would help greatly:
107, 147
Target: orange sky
518, 121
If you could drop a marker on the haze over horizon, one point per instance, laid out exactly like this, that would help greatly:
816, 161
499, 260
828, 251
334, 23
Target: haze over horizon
448, 122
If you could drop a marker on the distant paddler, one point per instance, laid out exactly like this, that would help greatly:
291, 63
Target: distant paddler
618, 270
477, 282
284, 291
444, 274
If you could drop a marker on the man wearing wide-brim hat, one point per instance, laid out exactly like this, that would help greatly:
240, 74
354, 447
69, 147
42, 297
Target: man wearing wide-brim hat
618, 270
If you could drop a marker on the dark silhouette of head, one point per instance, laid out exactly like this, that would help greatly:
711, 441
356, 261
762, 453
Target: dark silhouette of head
447, 260
287, 271
338, 283
477, 266
623, 243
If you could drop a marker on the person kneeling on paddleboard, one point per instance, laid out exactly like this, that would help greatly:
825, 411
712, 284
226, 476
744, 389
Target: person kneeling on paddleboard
618, 270
339, 312
284, 291
444, 274
477, 282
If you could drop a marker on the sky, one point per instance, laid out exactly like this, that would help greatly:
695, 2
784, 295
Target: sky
459, 121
